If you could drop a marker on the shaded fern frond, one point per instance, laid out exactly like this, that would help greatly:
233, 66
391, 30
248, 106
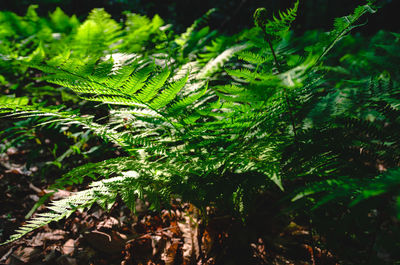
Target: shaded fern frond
281, 23
254, 58
187, 36
343, 26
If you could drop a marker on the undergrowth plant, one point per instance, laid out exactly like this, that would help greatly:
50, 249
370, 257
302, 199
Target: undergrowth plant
217, 120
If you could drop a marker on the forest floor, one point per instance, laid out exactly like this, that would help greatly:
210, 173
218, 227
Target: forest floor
174, 236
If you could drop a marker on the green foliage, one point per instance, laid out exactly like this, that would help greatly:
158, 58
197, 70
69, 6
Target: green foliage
96, 34
346, 152
278, 25
143, 33
219, 120
344, 25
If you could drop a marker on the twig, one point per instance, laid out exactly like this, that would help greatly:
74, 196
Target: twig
9, 252
312, 243
150, 233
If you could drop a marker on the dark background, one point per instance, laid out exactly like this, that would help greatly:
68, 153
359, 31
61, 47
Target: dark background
232, 15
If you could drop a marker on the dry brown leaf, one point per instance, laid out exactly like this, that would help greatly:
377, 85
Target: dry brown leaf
109, 243
60, 194
69, 247
207, 241
108, 223
169, 254
189, 229
25, 254
40, 238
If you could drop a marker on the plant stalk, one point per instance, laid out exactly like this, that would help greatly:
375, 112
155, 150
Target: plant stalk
284, 88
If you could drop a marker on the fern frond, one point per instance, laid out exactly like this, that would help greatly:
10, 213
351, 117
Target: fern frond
86, 87
250, 57
280, 24
120, 76
96, 34
217, 63
187, 101
115, 100
9, 103
152, 86
136, 81
187, 36
344, 25
168, 94
101, 192
142, 33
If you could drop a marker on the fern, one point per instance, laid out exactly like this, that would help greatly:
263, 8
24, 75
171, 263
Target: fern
136, 81
223, 120
278, 25
96, 34
344, 25
8, 103
190, 38
215, 64
101, 192
142, 32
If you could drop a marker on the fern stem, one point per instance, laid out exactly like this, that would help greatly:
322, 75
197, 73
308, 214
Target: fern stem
273, 52
284, 88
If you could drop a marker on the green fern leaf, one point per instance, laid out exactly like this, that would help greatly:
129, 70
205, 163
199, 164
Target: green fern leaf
136, 81
152, 86
186, 101
167, 95
279, 25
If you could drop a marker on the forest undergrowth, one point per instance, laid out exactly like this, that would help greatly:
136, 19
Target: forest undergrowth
125, 142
